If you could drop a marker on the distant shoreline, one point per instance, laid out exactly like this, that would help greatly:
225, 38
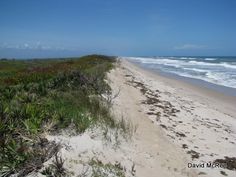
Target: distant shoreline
228, 91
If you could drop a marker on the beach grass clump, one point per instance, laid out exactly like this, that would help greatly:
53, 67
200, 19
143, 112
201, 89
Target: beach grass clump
56, 169
48, 95
99, 169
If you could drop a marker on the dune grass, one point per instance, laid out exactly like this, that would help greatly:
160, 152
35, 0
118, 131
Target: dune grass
100, 169
48, 95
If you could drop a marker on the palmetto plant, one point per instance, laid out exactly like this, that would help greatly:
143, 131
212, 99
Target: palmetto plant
8, 93
64, 92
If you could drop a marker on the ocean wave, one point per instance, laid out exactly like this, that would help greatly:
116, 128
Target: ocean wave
177, 63
221, 73
212, 77
196, 69
187, 58
210, 59
228, 65
163, 61
222, 64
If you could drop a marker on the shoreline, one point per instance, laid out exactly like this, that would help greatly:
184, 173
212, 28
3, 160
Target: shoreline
227, 91
200, 90
178, 123
210, 79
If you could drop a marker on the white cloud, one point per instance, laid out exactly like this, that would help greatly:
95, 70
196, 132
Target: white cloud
30, 46
190, 46
26, 45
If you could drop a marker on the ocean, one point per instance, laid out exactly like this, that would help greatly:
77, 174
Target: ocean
219, 71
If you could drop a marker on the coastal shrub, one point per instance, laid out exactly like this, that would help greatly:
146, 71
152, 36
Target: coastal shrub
35, 93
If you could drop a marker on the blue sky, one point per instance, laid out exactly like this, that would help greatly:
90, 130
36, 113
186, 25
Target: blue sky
59, 28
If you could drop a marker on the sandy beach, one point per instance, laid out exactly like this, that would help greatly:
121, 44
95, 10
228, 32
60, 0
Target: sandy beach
178, 125
175, 129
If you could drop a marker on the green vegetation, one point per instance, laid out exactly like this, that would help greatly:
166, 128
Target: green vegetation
48, 95
99, 169
56, 169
